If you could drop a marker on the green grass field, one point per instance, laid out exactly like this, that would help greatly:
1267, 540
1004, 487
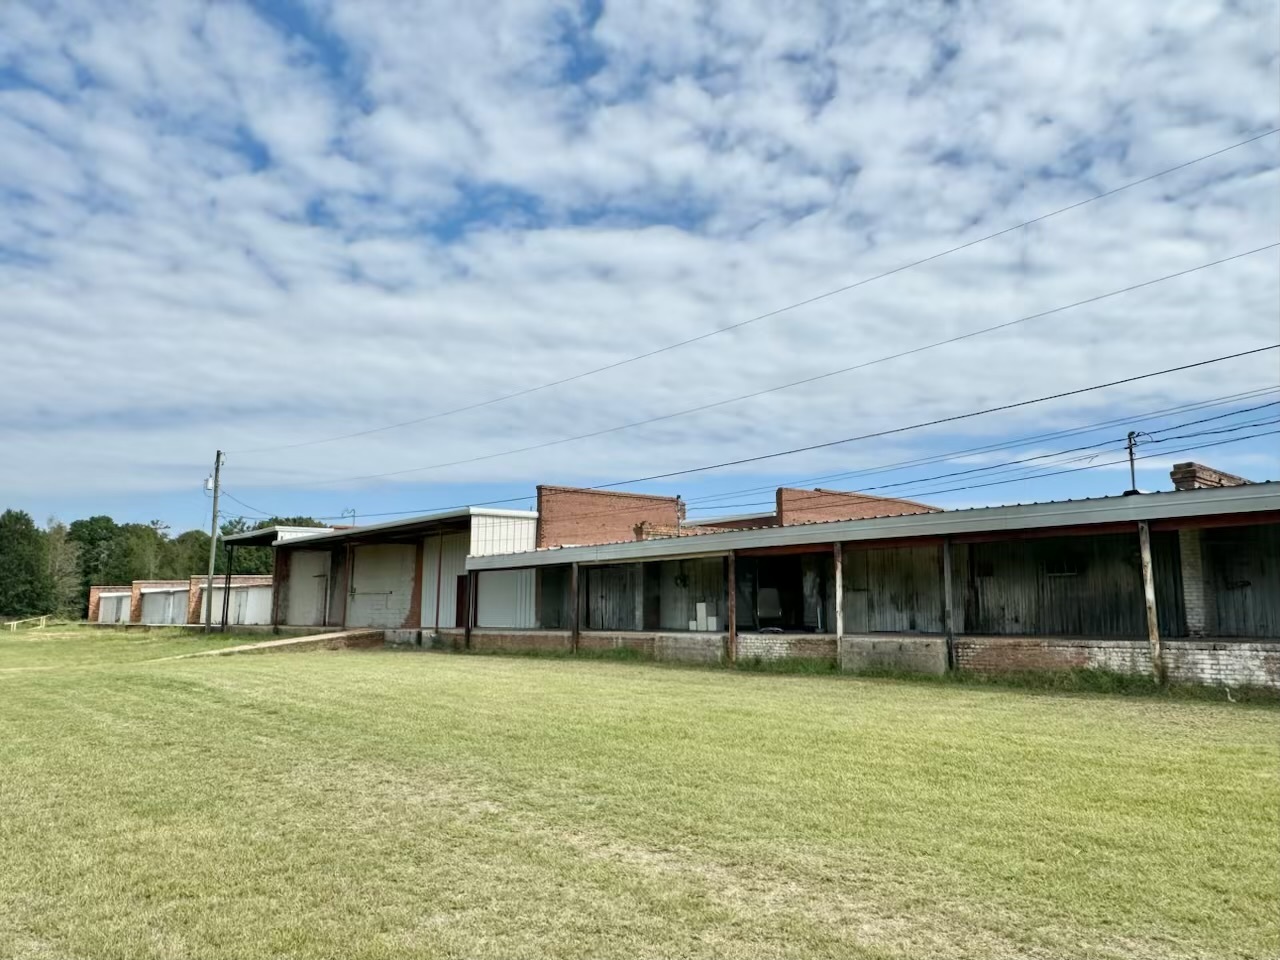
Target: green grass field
374, 804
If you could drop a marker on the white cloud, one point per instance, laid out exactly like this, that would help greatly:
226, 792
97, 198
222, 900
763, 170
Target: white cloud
218, 230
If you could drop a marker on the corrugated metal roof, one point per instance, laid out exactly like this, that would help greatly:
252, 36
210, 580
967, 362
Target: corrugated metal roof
1251, 498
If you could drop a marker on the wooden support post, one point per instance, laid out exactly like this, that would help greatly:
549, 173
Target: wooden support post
575, 609
1149, 593
948, 606
731, 578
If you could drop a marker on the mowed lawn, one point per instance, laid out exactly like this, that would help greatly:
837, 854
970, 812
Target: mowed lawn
358, 804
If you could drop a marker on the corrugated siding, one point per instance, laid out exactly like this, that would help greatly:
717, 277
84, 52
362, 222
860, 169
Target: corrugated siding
505, 599
553, 597
451, 559
1243, 567
381, 585
491, 536
893, 590
614, 597
685, 583
257, 608
308, 588
1070, 586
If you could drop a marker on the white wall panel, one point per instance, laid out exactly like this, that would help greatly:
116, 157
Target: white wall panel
308, 588
257, 609
448, 555
381, 585
506, 599
114, 607
491, 536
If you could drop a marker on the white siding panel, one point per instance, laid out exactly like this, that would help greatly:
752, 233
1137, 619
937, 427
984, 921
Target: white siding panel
491, 536
257, 608
308, 588
114, 607
381, 585
164, 606
448, 554
506, 599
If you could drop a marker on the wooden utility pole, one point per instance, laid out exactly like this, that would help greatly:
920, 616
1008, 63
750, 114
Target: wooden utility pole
213, 543
1149, 593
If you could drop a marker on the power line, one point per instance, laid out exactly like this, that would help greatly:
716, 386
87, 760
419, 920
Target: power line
940, 420
836, 497
991, 448
772, 313
890, 432
795, 383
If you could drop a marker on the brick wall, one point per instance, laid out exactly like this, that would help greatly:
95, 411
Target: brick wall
781, 646
1197, 594
570, 515
1196, 476
806, 506
1215, 662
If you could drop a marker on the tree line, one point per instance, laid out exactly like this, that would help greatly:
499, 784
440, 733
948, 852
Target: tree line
48, 570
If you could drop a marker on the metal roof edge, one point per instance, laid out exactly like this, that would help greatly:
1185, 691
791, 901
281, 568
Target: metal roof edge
390, 525
1152, 506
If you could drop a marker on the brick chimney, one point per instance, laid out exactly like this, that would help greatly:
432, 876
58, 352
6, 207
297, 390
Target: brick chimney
1196, 476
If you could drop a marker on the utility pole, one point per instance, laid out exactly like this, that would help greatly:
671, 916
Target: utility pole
213, 544
1131, 444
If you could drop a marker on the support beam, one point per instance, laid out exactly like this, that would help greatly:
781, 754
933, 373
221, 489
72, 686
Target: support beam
731, 578
226, 586
472, 596
948, 606
575, 608
837, 553
1149, 593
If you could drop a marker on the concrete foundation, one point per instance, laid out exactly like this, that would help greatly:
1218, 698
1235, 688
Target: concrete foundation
908, 654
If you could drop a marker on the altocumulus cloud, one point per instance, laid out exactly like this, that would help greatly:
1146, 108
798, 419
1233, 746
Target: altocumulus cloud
238, 224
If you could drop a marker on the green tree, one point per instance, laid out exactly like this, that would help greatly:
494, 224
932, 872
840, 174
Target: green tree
63, 555
95, 537
25, 587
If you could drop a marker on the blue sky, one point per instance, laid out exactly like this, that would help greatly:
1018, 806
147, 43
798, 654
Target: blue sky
251, 224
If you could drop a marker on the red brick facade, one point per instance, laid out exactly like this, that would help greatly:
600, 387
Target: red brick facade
574, 516
807, 506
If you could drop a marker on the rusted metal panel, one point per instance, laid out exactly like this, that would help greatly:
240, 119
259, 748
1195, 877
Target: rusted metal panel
895, 590
1243, 567
1076, 586
614, 599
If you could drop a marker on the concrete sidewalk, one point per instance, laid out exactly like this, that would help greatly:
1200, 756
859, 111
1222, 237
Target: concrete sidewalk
345, 640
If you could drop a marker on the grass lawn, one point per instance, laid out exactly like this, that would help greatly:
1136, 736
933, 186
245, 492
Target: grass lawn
358, 804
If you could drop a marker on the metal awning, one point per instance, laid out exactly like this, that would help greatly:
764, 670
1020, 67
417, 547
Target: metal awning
410, 528
269, 535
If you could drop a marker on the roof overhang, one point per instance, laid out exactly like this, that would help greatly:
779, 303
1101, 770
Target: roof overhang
271, 535
1174, 505
407, 529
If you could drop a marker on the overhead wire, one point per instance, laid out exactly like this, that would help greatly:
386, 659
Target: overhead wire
785, 386
526, 391
874, 435
991, 448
